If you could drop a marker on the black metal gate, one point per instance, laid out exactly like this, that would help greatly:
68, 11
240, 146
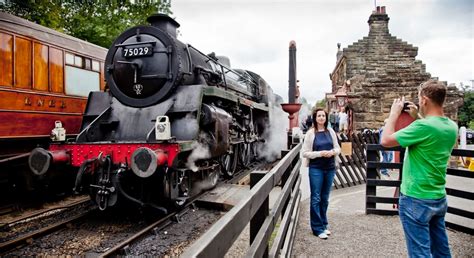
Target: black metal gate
373, 182
352, 169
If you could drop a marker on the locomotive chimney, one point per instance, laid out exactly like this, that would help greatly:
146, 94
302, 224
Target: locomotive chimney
164, 23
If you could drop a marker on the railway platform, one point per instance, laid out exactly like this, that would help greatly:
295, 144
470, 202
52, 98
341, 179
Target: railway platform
356, 234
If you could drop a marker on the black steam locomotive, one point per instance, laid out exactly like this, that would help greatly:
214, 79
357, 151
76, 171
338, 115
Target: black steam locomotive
173, 120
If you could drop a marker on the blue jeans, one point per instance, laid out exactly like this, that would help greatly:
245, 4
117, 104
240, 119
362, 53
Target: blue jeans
386, 157
320, 182
423, 224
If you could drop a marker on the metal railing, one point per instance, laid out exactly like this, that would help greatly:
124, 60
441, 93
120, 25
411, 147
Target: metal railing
372, 182
255, 209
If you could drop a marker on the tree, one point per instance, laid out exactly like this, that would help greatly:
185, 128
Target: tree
321, 103
466, 112
98, 22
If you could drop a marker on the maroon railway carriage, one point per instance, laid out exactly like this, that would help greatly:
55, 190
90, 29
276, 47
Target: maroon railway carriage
45, 79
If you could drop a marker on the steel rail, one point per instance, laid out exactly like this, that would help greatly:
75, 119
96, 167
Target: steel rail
82, 200
6, 246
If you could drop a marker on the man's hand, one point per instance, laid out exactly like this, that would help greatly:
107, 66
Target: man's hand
413, 112
397, 107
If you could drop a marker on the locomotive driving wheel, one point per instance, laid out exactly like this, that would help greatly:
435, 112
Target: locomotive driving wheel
212, 177
245, 154
229, 161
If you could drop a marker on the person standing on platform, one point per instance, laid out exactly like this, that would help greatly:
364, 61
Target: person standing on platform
320, 148
386, 155
343, 121
332, 120
429, 142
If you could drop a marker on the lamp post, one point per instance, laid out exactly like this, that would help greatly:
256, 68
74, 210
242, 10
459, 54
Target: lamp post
341, 98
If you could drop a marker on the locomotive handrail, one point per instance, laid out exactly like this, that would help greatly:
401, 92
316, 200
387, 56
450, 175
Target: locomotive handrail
221, 236
190, 63
220, 64
93, 121
136, 43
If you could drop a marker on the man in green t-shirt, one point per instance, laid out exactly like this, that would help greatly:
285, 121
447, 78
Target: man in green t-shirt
429, 142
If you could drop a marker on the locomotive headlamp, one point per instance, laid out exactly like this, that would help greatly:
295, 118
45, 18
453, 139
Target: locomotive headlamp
145, 161
162, 128
58, 133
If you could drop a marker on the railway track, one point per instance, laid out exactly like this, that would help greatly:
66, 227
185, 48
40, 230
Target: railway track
117, 232
153, 228
29, 237
97, 234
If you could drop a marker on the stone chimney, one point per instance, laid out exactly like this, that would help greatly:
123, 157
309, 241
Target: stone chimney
378, 22
339, 52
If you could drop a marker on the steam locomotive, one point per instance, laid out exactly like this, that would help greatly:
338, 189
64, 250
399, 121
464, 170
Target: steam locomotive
173, 120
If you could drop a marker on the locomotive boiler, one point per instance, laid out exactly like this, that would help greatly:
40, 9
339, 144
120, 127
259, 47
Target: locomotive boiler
173, 120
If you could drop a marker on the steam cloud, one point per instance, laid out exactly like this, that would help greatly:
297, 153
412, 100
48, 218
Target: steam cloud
185, 128
275, 133
200, 151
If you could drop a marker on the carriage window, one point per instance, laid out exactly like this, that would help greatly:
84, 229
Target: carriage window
95, 66
80, 82
69, 59
56, 70
87, 64
40, 74
78, 61
6, 59
23, 63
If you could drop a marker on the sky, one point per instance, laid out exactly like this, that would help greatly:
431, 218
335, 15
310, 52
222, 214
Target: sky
255, 35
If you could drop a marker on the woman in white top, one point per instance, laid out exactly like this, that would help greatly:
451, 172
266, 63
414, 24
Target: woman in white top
320, 146
343, 121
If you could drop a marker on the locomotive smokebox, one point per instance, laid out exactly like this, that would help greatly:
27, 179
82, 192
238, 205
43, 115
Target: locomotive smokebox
164, 23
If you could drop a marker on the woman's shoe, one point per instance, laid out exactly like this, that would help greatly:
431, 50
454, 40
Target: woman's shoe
327, 232
323, 236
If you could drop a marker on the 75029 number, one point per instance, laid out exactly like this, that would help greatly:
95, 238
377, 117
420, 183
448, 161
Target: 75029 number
137, 51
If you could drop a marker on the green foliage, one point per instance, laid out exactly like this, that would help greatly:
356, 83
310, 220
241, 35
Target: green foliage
466, 112
98, 22
321, 103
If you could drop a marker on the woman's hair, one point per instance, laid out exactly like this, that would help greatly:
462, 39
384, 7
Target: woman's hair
315, 124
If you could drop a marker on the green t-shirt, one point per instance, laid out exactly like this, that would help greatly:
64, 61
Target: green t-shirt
430, 142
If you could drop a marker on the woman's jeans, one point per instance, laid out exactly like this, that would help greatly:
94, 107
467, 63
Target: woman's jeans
320, 182
423, 224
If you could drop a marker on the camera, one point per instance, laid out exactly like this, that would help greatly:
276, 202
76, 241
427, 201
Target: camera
405, 106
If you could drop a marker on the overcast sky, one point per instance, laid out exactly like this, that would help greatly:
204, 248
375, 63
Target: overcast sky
255, 35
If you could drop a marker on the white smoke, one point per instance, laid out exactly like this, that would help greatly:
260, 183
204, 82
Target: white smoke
304, 112
185, 128
275, 133
200, 151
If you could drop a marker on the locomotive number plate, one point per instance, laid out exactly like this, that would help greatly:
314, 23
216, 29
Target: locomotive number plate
137, 51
